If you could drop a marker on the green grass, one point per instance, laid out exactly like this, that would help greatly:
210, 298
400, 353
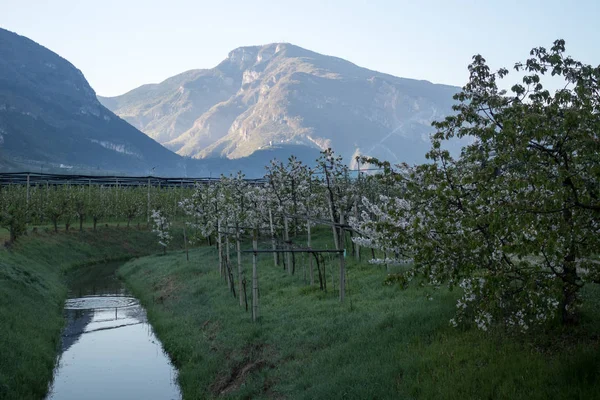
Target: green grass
87, 225
383, 342
32, 293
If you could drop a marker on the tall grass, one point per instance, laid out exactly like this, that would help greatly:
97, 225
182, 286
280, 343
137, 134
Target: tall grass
382, 342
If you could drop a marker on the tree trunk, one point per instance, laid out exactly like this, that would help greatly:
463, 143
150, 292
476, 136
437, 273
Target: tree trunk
245, 294
569, 289
230, 279
387, 267
228, 263
333, 227
570, 280
356, 246
13, 234
319, 271
187, 254
324, 274
286, 237
295, 211
330, 202
310, 260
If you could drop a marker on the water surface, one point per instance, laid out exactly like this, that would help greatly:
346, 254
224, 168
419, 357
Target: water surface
109, 350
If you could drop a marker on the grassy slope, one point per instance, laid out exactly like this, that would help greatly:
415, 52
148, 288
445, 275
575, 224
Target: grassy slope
389, 344
32, 292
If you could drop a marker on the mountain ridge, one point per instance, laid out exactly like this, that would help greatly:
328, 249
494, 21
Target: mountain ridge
283, 94
52, 121
50, 115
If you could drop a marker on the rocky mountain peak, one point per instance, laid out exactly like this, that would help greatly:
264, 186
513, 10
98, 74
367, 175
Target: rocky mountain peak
280, 95
249, 56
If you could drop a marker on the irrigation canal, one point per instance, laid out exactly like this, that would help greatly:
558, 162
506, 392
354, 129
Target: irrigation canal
108, 349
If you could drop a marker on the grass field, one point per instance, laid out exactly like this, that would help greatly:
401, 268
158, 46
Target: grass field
382, 342
49, 228
32, 293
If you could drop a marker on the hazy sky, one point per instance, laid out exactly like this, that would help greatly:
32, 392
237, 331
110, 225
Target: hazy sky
122, 44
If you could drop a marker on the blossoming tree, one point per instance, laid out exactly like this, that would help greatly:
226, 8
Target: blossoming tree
515, 220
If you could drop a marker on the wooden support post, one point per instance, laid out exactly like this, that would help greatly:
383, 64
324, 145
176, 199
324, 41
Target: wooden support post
325, 269
239, 262
254, 277
356, 246
148, 204
220, 247
273, 244
342, 261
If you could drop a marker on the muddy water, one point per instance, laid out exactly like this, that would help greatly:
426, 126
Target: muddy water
109, 350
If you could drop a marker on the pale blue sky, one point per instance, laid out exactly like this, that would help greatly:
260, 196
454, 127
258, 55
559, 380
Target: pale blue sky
122, 44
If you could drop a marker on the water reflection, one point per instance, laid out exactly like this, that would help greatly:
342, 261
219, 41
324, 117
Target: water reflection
109, 350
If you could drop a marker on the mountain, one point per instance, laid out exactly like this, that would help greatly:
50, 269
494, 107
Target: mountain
280, 94
51, 119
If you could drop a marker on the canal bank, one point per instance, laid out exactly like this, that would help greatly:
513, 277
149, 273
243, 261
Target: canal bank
108, 348
33, 291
